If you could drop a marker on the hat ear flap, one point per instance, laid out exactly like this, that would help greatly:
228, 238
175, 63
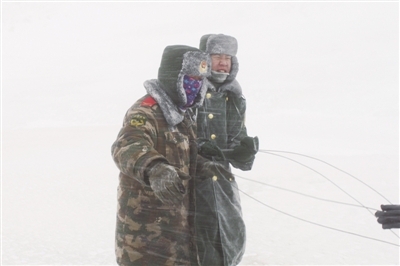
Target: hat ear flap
182, 99
234, 69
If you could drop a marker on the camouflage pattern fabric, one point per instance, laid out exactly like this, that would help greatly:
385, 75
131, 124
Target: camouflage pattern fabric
149, 232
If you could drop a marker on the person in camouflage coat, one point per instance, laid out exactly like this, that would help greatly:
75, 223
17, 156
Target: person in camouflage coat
221, 233
155, 152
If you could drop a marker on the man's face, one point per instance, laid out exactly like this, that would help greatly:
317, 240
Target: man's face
221, 63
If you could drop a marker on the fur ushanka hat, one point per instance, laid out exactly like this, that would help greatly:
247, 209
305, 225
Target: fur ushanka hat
178, 61
222, 44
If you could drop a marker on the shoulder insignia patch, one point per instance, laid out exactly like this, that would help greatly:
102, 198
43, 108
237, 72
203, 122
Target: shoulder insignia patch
138, 120
149, 101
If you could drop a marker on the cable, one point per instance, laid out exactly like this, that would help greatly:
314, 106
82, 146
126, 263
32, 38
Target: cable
320, 175
266, 152
317, 224
330, 166
306, 195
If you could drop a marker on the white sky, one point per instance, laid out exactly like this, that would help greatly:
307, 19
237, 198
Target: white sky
326, 66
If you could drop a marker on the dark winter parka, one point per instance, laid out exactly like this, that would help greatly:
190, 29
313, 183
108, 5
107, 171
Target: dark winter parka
148, 231
220, 228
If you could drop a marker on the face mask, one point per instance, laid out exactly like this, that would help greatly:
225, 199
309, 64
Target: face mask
192, 87
218, 77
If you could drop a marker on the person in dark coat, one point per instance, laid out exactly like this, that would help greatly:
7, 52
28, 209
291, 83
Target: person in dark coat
223, 142
156, 152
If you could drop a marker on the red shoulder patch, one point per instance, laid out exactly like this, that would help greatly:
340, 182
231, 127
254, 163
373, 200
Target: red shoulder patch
149, 101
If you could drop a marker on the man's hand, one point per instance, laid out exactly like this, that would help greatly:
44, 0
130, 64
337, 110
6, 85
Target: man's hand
208, 149
245, 151
389, 217
167, 183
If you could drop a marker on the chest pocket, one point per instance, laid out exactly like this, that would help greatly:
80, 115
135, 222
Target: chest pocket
177, 149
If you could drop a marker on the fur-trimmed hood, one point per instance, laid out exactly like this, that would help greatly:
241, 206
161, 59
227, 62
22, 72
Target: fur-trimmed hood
168, 91
178, 61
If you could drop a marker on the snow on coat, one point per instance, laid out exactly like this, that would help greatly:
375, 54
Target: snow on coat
149, 232
221, 232
156, 128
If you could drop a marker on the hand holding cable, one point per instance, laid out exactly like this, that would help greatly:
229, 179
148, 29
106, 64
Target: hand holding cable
245, 151
208, 149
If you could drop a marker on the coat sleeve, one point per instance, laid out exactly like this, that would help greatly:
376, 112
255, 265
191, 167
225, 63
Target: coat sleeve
134, 149
236, 128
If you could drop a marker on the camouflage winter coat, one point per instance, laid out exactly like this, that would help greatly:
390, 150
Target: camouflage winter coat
148, 231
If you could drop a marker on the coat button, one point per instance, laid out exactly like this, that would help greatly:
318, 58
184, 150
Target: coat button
230, 179
227, 99
215, 178
211, 116
208, 95
213, 136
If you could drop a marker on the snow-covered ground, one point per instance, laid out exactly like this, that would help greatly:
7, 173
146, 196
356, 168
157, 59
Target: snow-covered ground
321, 79
59, 202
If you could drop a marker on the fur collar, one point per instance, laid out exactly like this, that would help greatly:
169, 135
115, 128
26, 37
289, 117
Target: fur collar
231, 86
171, 112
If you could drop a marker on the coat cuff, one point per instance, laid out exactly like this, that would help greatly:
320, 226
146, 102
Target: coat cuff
143, 162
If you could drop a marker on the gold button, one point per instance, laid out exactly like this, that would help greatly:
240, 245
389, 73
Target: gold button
213, 136
215, 178
230, 179
210, 116
226, 98
208, 95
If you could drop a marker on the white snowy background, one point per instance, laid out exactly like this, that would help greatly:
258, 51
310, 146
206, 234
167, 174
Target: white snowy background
320, 79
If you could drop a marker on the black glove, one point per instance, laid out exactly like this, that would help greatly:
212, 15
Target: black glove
245, 151
389, 217
208, 149
167, 183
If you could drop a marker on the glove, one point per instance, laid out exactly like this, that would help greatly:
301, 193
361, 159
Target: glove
246, 150
208, 149
167, 183
389, 217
